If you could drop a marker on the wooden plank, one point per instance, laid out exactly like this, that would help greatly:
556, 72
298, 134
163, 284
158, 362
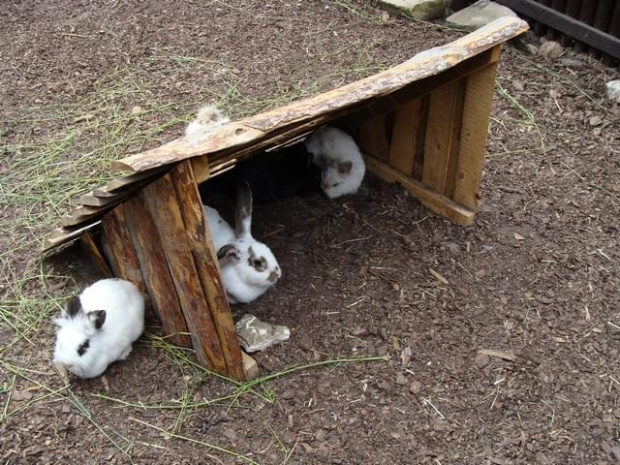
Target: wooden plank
439, 140
405, 136
63, 235
255, 128
119, 249
372, 138
418, 161
477, 106
205, 260
455, 138
91, 247
146, 241
578, 29
200, 167
162, 205
436, 202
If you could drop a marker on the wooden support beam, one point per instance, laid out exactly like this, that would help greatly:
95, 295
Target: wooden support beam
200, 167
164, 209
436, 202
146, 241
477, 106
205, 260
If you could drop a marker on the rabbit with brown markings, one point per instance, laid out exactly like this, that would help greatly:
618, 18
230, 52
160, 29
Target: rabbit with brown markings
248, 267
98, 327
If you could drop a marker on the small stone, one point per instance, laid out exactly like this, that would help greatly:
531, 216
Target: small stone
482, 360
385, 16
415, 387
551, 50
289, 437
382, 350
320, 435
289, 394
385, 385
595, 121
612, 88
424, 10
479, 14
518, 85
255, 335
401, 379
136, 110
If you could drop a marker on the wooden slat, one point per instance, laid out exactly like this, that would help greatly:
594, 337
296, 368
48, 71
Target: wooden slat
63, 235
205, 260
163, 207
146, 241
418, 161
436, 202
90, 245
405, 136
255, 128
581, 29
372, 138
455, 137
438, 141
119, 249
200, 167
478, 103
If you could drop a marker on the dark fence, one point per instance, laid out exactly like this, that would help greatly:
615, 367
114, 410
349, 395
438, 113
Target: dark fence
591, 25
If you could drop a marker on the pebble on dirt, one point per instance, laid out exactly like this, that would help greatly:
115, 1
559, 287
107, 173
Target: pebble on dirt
612, 89
424, 10
479, 14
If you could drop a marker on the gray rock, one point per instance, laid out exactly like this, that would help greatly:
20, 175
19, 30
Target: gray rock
479, 14
424, 10
612, 89
551, 50
255, 335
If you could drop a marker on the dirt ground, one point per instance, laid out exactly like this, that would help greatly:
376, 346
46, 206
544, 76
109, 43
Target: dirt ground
536, 277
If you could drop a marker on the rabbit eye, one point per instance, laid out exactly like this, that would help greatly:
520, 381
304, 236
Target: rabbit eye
83, 347
336, 184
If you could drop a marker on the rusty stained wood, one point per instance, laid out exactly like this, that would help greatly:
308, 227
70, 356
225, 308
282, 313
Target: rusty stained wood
255, 128
163, 208
477, 106
205, 260
433, 200
146, 241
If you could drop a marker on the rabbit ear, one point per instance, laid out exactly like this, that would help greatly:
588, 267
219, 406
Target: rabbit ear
228, 254
97, 318
72, 307
243, 211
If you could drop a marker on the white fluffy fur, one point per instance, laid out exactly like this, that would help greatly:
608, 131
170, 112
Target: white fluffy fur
124, 322
207, 118
329, 147
243, 283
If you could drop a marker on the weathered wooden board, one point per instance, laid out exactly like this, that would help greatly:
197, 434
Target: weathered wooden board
254, 128
478, 102
429, 198
438, 142
372, 138
88, 242
163, 207
205, 260
405, 137
146, 240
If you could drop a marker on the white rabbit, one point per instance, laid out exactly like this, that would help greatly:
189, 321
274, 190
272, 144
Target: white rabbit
207, 117
98, 327
340, 160
248, 267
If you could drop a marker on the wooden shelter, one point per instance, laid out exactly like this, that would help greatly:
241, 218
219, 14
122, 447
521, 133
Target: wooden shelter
422, 124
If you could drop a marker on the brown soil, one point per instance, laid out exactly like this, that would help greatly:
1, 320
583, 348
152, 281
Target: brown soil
537, 276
